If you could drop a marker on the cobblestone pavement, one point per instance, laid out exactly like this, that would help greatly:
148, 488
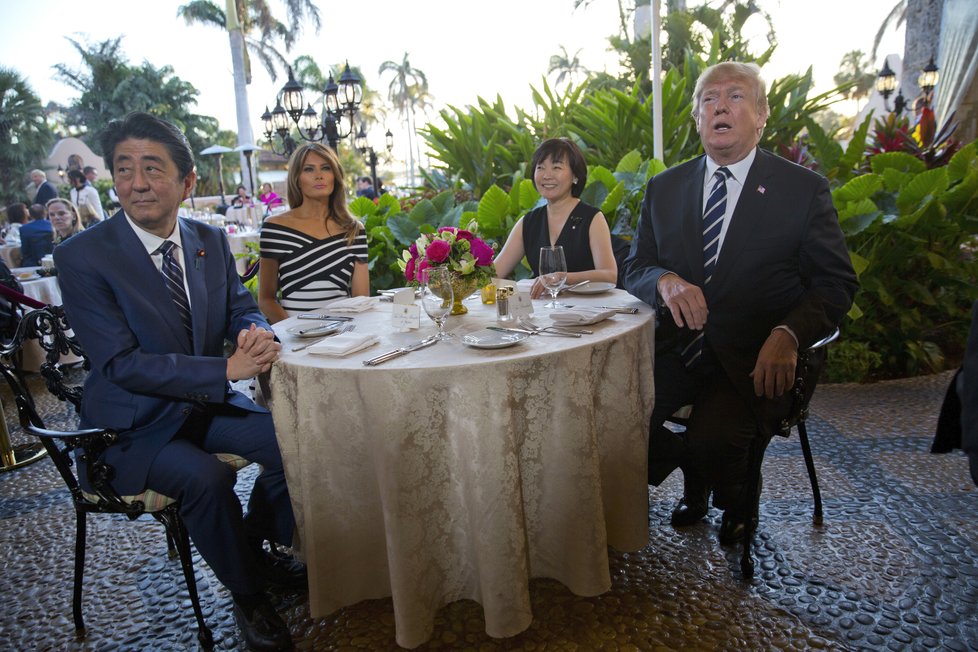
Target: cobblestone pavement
893, 567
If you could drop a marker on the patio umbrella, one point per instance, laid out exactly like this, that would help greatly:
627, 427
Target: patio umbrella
218, 151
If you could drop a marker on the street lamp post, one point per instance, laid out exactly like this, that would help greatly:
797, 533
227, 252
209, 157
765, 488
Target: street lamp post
886, 83
360, 142
340, 104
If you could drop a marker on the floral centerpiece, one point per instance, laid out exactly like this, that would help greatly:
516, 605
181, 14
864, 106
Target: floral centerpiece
467, 256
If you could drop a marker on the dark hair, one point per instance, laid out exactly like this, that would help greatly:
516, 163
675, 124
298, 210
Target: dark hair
566, 150
88, 168
366, 180
37, 211
17, 213
147, 127
76, 175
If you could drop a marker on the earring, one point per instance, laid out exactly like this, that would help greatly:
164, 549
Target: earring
575, 181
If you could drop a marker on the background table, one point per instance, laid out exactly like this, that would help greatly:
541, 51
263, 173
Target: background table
46, 289
237, 243
454, 472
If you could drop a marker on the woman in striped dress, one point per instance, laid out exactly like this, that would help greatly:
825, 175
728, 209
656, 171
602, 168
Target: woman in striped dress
316, 251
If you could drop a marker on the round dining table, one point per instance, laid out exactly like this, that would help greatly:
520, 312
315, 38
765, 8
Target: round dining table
455, 472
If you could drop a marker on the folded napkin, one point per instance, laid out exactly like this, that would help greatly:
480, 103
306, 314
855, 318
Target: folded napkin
580, 316
343, 344
352, 304
524, 285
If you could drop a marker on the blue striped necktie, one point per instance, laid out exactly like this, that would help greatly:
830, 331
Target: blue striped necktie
716, 208
173, 279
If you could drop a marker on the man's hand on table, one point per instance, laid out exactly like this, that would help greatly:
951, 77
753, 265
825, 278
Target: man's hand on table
255, 353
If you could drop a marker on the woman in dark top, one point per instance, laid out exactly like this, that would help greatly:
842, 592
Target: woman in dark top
559, 175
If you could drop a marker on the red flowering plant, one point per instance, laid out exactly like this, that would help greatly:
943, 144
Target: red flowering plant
459, 250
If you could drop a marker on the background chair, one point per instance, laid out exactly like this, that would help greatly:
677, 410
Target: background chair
50, 328
806, 377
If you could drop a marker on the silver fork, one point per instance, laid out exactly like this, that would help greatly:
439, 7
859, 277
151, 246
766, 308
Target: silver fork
553, 330
345, 329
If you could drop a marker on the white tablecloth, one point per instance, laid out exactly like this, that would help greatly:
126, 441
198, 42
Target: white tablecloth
454, 472
249, 216
44, 289
237, 243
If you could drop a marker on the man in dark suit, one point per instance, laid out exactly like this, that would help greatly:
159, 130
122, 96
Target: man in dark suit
44, 190
153, 298
742, 254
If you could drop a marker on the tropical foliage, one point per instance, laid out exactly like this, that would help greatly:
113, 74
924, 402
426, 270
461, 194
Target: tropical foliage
24, 135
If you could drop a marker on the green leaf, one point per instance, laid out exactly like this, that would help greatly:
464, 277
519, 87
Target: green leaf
863, 207
858, 262
630, 162
362, 207
964, 162
894, 179
962, 193
858, 188
610, 205
404, 230
443, 202
896, 160
493, 208
926, 186
388, 203
528, 197
602, 174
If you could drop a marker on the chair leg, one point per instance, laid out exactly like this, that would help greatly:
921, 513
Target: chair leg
751, 501
810, 463
76, 599
178, 533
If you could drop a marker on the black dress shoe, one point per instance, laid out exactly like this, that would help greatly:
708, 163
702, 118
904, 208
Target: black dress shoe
693, 505
686, 514
732, 529
283, 572
263, 629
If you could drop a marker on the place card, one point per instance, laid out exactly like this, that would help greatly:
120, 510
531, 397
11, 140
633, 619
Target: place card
405, 314
520, 305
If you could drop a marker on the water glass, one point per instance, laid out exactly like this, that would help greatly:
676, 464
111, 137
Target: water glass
553, 273
437, 297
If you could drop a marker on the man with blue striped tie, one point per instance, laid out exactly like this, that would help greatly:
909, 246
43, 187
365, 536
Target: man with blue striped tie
741, 253
153, 299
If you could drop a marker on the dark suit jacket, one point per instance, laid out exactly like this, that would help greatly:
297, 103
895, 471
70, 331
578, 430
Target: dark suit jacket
145, 376
967, 386
36, 242
45, 193
783, 261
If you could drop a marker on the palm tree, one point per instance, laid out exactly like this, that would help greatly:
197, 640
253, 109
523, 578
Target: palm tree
408, 91
856, 72
566, 66
252, 29
24, 134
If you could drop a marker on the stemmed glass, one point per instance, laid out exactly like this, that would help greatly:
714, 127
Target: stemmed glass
553, 273
436, 297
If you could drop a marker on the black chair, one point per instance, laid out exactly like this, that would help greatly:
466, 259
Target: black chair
806, 377
66, 448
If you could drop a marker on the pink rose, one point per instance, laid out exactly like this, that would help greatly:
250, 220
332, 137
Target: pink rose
437, 251
409, 270
413, 249
482, 252
423, 264
462, 234
448, 229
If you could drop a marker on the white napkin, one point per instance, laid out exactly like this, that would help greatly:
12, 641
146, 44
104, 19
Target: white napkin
579, 316
351, 304
343, 344
524, 285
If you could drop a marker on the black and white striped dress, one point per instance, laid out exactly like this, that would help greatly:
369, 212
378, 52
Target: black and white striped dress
311, 271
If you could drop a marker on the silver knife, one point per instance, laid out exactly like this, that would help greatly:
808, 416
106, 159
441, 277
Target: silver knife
390, 355
622, 310
313, 315
511, 330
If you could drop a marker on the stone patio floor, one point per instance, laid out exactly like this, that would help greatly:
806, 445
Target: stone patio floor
893, 567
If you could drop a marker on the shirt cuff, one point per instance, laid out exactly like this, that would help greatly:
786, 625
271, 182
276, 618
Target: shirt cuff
788, 330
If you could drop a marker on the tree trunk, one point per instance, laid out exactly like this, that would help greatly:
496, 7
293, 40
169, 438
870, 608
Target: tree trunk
412, 135
245, 135
923, 36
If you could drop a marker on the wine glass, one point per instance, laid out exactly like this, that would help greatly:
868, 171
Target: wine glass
553, 273
436, 297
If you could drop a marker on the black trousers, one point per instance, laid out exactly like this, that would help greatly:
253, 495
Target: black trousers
714, 449
186, 470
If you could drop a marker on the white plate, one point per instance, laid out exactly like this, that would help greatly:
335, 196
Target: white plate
487, 339
594, 287
313, 330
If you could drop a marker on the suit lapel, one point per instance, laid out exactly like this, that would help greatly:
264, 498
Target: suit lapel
194, 265
743, 223
147, 279
691, 213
